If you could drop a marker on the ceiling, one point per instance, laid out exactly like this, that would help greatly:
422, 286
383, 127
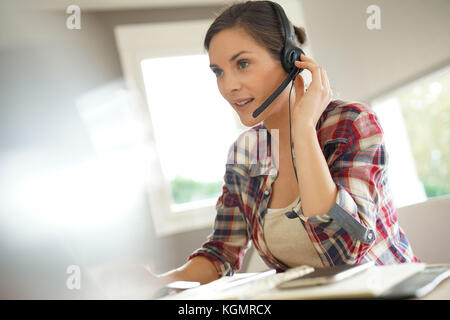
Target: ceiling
104, 5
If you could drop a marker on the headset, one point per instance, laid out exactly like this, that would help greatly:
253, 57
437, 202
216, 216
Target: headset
289, 54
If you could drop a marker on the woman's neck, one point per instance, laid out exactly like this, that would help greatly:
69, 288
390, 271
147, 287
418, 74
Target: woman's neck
280, 122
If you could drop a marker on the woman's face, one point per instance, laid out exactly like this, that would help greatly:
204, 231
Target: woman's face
246, 71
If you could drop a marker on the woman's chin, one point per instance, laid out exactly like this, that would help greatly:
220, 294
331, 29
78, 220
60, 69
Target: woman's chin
249, 121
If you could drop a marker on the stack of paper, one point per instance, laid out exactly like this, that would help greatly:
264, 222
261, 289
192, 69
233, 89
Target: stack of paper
371, 283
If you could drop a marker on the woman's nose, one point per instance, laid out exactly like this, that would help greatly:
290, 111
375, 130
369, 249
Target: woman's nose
231, 83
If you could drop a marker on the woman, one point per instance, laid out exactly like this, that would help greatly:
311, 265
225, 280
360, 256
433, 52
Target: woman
335, 208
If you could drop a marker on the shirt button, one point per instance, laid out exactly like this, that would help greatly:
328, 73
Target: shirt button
266, 192
370, 235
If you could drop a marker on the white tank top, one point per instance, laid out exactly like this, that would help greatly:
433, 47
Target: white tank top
287, 239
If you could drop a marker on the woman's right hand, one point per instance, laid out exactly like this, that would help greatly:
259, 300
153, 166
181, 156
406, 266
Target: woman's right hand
129, 280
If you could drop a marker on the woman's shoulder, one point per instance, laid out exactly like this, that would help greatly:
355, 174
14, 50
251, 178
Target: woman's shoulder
348, 123
342, 119
347, 109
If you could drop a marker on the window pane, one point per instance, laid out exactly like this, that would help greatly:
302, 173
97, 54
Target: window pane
193, 125
416, 123
426, 110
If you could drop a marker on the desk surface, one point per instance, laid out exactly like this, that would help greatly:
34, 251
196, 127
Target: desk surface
370, 283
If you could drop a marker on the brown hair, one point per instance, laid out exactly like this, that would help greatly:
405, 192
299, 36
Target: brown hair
261, 22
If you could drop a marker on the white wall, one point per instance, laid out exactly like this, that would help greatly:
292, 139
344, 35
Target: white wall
361, 64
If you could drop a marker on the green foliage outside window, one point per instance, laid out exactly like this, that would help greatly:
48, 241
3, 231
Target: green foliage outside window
426, 110
187, 190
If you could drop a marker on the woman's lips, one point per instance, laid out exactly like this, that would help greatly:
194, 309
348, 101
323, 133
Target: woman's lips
245, 106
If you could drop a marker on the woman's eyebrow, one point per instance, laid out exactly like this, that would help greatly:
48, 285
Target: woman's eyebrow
232, 58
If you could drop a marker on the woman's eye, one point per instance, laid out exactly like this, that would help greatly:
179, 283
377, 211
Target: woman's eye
217, 72
243, 64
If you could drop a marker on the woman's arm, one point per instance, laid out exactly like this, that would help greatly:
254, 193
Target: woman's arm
342, 191
317, 189
199, 269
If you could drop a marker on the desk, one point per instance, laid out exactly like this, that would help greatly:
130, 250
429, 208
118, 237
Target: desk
368, 284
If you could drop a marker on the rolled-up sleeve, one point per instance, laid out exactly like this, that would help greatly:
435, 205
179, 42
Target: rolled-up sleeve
227, 244
357, 164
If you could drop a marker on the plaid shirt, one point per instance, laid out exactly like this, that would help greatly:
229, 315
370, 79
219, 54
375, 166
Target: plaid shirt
362, 224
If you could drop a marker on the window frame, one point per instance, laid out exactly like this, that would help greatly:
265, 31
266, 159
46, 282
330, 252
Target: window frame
132, 50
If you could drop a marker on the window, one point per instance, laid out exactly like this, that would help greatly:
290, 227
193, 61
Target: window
416, 121
193, 127
188, 154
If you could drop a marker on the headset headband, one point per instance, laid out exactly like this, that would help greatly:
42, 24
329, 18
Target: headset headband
284, 22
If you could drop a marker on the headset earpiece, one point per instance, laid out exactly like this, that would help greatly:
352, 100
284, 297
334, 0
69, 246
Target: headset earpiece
289, 55
290, 52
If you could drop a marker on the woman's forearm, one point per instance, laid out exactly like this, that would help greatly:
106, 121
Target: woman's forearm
198, 269
317, 188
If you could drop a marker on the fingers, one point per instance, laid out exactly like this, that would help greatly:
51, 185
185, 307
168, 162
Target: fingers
314, 68
320, 79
